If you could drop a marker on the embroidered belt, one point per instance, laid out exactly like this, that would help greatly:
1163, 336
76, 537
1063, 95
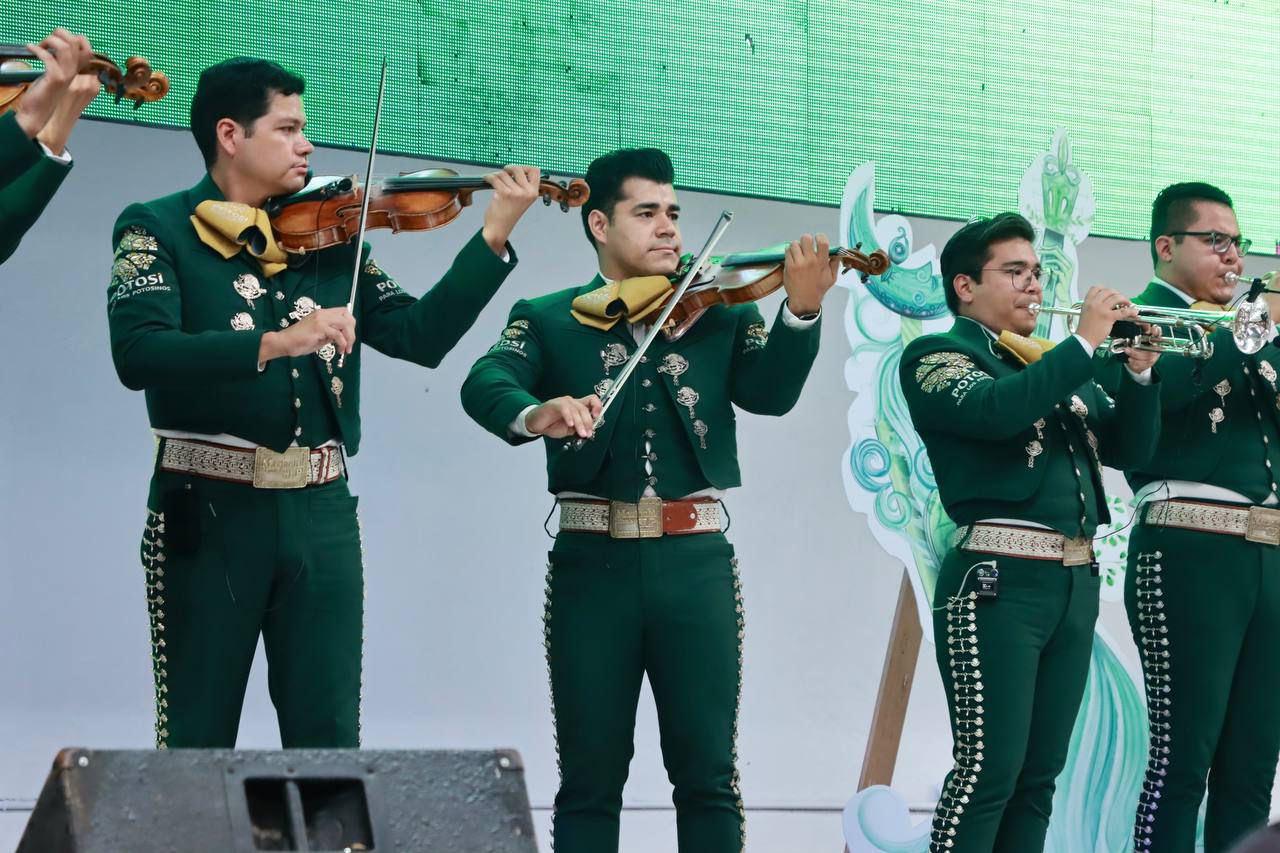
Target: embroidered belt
1255, 523
1026, 542
261, 466
648, 519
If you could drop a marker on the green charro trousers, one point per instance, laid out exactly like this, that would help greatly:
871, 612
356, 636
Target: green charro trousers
226, 563
1014, 669
618, 610
1205, 613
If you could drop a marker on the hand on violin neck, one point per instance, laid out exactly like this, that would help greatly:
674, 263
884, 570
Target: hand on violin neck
808, 272
565, 416
62, 53
515, 189
83, 89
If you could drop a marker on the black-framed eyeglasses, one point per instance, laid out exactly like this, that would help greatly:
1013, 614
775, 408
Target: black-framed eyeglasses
1020, 277
1221, 243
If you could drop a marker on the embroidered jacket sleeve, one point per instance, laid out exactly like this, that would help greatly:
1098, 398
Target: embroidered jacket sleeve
500, 384
28, 180
18, 152
144, 312
424, 329
770, 366
948, 391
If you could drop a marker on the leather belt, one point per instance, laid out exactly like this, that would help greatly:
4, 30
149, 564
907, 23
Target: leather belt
262, 467
650, 518
1255, 523
1026, 542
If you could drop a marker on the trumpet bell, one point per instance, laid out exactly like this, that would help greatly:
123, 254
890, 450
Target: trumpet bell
1251, 326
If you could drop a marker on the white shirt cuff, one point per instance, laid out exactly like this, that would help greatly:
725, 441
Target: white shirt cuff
1088, 347
64, 157
1143, 378
517, 427
794, 322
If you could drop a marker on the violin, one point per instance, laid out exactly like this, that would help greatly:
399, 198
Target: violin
327, 212
136, 81
747, 276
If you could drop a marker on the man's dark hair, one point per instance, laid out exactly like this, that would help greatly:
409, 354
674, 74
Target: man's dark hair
239, 89
968, 250
608, 173
1174, 209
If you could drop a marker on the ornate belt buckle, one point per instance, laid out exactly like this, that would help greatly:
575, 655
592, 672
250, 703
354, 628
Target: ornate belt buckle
650, 514
1076, 551
286, 470
1263, 526
641, 520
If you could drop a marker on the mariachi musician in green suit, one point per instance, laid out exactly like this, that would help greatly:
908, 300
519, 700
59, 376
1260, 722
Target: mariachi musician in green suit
641, 580
1203, 582
1017, 431
33, 136
251, 366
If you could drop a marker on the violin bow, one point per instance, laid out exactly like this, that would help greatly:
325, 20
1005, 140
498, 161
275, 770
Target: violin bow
368, 191
726, 216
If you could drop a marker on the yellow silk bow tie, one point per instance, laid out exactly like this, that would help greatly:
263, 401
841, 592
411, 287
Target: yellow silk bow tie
228, 226
1027, 350
633, 298
1203, 305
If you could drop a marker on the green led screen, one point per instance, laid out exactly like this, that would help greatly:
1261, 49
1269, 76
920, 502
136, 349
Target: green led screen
781, 99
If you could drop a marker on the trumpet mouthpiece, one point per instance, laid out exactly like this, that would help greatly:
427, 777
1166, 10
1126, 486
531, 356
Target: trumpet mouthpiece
1267, 279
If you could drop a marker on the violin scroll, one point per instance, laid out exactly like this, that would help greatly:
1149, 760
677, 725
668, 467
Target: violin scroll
876, 263
567, 194
139, 83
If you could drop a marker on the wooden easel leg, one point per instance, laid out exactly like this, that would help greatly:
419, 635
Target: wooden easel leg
895, 691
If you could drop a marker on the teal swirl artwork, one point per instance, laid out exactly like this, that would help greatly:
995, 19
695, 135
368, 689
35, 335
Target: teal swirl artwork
887, 475
888, 479
1058, 200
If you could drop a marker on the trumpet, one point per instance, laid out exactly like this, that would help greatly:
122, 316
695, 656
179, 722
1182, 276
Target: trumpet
1184, 331
1258, 285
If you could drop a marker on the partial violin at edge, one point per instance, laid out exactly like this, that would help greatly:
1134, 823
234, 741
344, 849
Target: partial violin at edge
136, 81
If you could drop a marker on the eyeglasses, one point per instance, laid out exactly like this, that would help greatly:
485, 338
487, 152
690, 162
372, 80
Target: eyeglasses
1020, 277
1220, 242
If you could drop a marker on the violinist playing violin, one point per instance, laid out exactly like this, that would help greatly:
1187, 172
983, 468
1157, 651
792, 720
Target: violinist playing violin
34, 159
250, 361
1017, 432
641, 579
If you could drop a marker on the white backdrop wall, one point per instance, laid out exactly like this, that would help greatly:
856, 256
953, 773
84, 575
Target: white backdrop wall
455, 550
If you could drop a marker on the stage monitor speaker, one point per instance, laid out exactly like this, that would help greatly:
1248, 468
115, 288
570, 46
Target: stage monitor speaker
324, 801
